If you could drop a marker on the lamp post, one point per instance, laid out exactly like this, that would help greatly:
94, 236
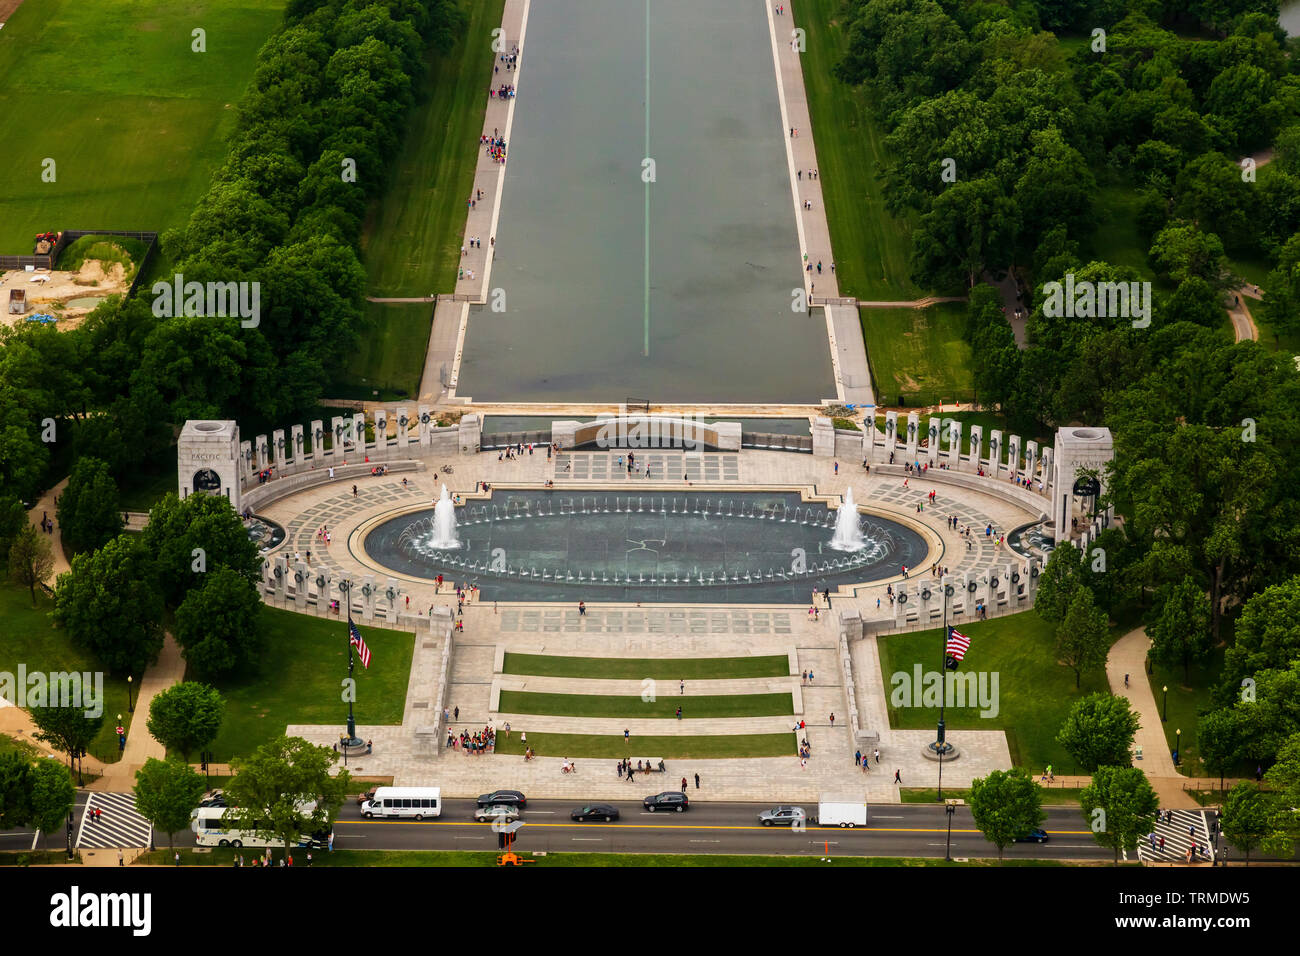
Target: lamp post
950, 809
130, 698
1164, 708
1178, 743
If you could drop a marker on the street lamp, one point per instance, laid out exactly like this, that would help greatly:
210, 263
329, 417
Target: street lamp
950, 809
1178, 742
130, 698
1164, 709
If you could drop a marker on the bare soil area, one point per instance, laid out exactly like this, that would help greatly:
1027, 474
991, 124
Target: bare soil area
52, 295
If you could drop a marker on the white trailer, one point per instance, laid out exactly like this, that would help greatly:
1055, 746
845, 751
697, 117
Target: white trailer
842, 810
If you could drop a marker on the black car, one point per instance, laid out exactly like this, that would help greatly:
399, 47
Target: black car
1036, 835
595, 811
668, 800
512, 797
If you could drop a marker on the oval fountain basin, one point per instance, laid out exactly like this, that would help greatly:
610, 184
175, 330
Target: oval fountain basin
612, 546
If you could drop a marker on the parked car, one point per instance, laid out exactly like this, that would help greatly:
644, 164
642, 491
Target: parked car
512, 797
367, 796
595, 811
668, 800
217, 798
505, 812
782, 817
1036, 835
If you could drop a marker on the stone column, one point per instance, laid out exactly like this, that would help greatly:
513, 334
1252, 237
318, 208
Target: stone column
359, 431
278, 449
935, 435
954, 444
823, 437
426, 423
317, 442
1035, 569
403, 432
1013, 456
338, 450
901, 597
995, 452
281, 576
923, 604
913, 433
1031, 460
891, 436
368, 598
381, 434
263, 448
297, 444
985, 593
301, 579
976, 448
391, 595
246, 469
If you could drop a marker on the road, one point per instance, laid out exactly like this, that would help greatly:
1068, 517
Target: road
892, 830
20, 838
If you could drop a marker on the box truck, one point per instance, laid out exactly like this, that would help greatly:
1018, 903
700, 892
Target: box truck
841, 810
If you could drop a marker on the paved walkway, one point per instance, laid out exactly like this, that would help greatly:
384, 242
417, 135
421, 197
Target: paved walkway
1243, 323
140, 745
47, 506
1128, 656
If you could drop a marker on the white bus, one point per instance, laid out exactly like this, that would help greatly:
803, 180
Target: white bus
212, 829
411, 802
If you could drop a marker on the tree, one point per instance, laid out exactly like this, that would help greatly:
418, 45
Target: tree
1267, 633
1180, 633
30, 559
110, 604
1284, 777
1120, 806
195, 537
89, 511
1099, 731
1218, 736
52, 796
217, 624
1247, 818
1062, 576
67, 729
286, 783
15, 793
166, 791
1082, 639
186, 717
1181, 251
1006, 805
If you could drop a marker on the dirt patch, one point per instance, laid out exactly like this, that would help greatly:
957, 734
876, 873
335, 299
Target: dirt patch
7, 7
54, 295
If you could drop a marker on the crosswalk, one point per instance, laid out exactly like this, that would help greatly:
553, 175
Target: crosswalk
118, 825
1188, 826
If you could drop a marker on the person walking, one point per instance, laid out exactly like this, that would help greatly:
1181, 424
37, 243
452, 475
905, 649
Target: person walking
898, 777
619, 770
683, 686
683, 784
457, 713
877, 755
697, 781
626, 735
857, 759
832, 719
679, 713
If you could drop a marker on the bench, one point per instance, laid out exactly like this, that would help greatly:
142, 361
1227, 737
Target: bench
656, 765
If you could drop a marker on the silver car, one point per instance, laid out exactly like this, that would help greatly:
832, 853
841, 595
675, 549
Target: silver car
782, 817
503, 812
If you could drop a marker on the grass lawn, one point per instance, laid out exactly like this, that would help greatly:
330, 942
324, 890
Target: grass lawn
1034, 692
298, 682
134, 121
390, 359
222, 856
871, 246
1055, 796
1116, 238
919, 354
28, 637
668, 668
613, 747
598, 705
411, 243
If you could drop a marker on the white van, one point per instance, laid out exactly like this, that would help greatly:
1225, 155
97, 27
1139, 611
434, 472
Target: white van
411, 802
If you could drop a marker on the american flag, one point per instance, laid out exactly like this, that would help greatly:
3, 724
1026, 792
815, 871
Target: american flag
356, 641
958, 644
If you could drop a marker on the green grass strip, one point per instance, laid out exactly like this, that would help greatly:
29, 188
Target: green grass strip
604, 705
613, 747
665, 668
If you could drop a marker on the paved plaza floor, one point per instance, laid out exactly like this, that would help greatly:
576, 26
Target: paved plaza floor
651, 630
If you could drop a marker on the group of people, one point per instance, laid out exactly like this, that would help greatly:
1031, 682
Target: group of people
495, 146
474, 744
625, 768
47, 523
264, 475
505, 91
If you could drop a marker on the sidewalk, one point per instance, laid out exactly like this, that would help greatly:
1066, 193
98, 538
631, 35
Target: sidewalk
46, 504
140, 745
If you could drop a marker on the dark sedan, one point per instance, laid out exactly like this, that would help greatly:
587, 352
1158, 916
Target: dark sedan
511, 797
669, 800
595, 811
1036, 835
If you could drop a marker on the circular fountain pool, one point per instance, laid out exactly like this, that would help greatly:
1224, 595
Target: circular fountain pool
558, 546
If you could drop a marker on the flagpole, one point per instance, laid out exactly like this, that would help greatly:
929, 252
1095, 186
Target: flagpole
352, 740
941, 746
